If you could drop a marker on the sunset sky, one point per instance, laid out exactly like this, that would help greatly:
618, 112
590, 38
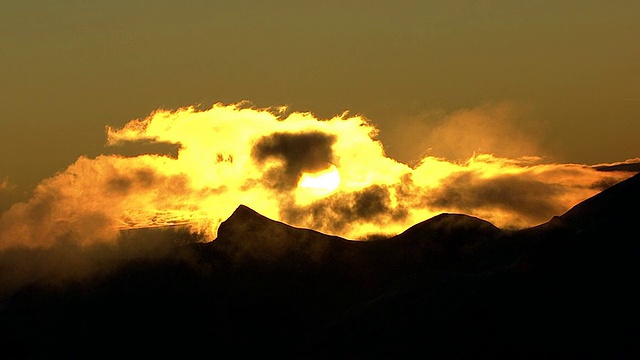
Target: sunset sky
519, 85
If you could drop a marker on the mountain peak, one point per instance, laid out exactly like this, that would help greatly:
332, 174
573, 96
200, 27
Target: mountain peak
447, 223
244, 209
245, 220
444, 240
249, 235
243, 213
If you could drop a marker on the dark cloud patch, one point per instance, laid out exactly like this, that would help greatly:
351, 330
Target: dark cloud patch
119, 185
144, 147
147, 179
122, 184
299, 152
369, 203
530, 199
339, 211
604, 183
632, 166
406, 188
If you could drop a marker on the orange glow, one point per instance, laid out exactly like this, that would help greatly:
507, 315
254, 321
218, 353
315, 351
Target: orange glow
231, 155
313, 185
324, 181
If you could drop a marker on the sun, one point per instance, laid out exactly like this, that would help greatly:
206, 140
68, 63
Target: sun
320, 183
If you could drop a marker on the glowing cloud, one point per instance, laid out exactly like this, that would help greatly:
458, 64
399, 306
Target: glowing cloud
331, 175
326, 180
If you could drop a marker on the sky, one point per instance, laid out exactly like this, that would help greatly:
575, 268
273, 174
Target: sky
526, 87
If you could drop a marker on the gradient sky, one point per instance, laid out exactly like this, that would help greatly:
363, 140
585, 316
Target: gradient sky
567, 73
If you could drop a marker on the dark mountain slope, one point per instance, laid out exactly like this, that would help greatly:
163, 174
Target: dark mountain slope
567, 291
573, 288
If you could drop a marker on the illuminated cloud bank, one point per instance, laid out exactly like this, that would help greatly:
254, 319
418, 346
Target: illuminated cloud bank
331, 175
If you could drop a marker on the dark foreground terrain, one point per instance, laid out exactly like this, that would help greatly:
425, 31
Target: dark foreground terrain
453, 286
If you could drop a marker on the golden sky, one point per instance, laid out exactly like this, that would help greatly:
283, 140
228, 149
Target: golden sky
515, 84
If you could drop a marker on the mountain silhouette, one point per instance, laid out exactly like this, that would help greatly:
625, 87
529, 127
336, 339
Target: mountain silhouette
247, 235
559, 290
453, 286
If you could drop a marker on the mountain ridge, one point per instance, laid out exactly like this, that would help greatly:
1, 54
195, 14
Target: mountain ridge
453, 286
